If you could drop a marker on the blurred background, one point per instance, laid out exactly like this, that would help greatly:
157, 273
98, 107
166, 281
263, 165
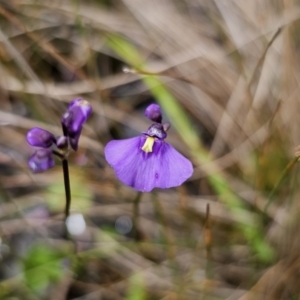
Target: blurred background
226, 74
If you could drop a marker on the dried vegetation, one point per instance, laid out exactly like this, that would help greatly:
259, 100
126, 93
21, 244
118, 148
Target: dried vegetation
233, 67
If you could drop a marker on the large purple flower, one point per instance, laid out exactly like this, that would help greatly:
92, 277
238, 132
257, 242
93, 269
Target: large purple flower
147, 161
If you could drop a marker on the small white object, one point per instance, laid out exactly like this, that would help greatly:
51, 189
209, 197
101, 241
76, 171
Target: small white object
76, 224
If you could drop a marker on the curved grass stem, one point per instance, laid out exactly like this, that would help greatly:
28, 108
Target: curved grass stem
284, 174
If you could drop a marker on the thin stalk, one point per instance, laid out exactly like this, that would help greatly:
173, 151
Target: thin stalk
284, 174
65, 167
136, 227
169, 245
208, 243
166, 233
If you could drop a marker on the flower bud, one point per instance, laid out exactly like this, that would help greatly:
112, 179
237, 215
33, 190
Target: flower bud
39, 137
62, 142
77, 114
41, 160
153, 113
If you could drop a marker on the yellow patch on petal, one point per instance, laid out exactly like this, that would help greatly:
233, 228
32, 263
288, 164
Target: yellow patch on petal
148, 144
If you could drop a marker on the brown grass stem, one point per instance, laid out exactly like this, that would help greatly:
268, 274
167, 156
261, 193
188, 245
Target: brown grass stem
284, 174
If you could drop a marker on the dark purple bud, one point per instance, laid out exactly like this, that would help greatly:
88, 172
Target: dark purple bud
153, 113
39, 137
41, 161
62, 142
156, 130
77, 114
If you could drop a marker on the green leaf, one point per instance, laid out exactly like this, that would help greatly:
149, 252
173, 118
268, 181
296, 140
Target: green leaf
42, 266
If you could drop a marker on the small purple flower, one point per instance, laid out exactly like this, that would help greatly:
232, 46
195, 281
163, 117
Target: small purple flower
77, 114
41, 160
72, 121
147, 161
39, 137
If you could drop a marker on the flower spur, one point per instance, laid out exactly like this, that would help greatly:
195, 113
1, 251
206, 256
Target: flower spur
147, 161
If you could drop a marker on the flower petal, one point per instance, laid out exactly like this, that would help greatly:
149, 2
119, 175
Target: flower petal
73, 120
162, 168
39, 137
176, 168
117, 152
84, 106
41, 160
74, 139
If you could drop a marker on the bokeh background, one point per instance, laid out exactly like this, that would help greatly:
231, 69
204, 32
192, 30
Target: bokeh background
226, 74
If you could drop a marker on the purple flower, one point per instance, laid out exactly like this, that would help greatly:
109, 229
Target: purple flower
39, 137
147, 161
72, 121
77, 114
41, 160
